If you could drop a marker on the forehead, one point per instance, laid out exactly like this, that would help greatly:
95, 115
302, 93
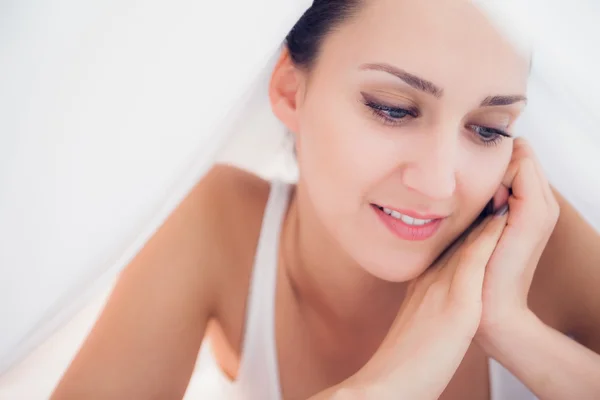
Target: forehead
448, 42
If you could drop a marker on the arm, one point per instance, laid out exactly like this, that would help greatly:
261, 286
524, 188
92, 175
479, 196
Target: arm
145, 343
434, 327
550, 364
571, 267
566, 293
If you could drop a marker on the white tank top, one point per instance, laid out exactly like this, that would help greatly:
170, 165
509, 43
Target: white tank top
258, 375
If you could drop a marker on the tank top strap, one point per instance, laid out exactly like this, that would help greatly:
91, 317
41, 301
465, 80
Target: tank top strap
258, 377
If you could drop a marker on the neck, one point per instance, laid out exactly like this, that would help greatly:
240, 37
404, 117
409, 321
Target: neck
329, 285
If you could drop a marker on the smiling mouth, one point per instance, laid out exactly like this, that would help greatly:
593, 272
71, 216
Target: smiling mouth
407, 219
408, 227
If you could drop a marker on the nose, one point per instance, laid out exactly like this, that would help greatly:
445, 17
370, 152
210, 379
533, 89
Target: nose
432, 169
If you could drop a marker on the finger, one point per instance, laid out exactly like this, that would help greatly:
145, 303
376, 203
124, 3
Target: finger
522, 154
527, 201
529, 211
524, 149
475, 231
534, 210
553, 209
524, 240
550, 211
468, 278
448, 261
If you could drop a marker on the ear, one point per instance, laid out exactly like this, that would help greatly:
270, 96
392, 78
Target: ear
285, 91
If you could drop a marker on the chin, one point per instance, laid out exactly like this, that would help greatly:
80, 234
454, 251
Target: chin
394, 268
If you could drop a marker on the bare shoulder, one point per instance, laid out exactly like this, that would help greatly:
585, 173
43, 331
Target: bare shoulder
153, 323
233, 200
213, 224
242, 199
221, 219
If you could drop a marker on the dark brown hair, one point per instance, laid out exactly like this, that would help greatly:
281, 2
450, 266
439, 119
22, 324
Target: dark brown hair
305, 38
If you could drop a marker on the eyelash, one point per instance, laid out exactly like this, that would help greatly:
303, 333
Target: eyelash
381, 112
499, 135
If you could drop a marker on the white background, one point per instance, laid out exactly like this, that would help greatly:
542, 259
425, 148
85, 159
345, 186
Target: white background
111, 110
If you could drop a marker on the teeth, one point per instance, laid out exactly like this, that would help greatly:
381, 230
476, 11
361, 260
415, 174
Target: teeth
408, 220
405, 218
397, 215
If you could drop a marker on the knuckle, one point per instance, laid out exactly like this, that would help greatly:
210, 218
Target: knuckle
520, 141
522, 144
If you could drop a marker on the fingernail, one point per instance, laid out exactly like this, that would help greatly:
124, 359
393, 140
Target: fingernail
489, 209
502, 211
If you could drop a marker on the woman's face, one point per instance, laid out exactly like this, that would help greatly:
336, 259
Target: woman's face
409, 107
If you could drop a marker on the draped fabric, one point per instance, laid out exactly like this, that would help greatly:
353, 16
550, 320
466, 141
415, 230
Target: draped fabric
110, 111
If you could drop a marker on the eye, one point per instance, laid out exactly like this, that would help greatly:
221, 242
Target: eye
395, 113
488, 136
390, 115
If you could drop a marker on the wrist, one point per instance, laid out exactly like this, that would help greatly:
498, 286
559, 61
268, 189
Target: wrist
418, 368
507, 333
350, 389
350, 393
359, 387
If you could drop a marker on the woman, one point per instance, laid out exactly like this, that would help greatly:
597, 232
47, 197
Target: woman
374, 276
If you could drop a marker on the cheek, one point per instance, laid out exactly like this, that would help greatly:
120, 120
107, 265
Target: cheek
336, 149
481, 174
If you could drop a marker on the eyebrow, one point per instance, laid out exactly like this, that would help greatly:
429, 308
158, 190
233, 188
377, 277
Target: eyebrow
410, 79
431, 88
492, 101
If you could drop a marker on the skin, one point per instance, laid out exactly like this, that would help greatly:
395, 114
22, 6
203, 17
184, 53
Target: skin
344, 281
349, 159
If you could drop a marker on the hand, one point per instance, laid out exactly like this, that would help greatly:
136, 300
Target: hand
533, 215
436, 324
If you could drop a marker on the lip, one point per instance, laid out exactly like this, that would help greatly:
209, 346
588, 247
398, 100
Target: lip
413, 214
409, 232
